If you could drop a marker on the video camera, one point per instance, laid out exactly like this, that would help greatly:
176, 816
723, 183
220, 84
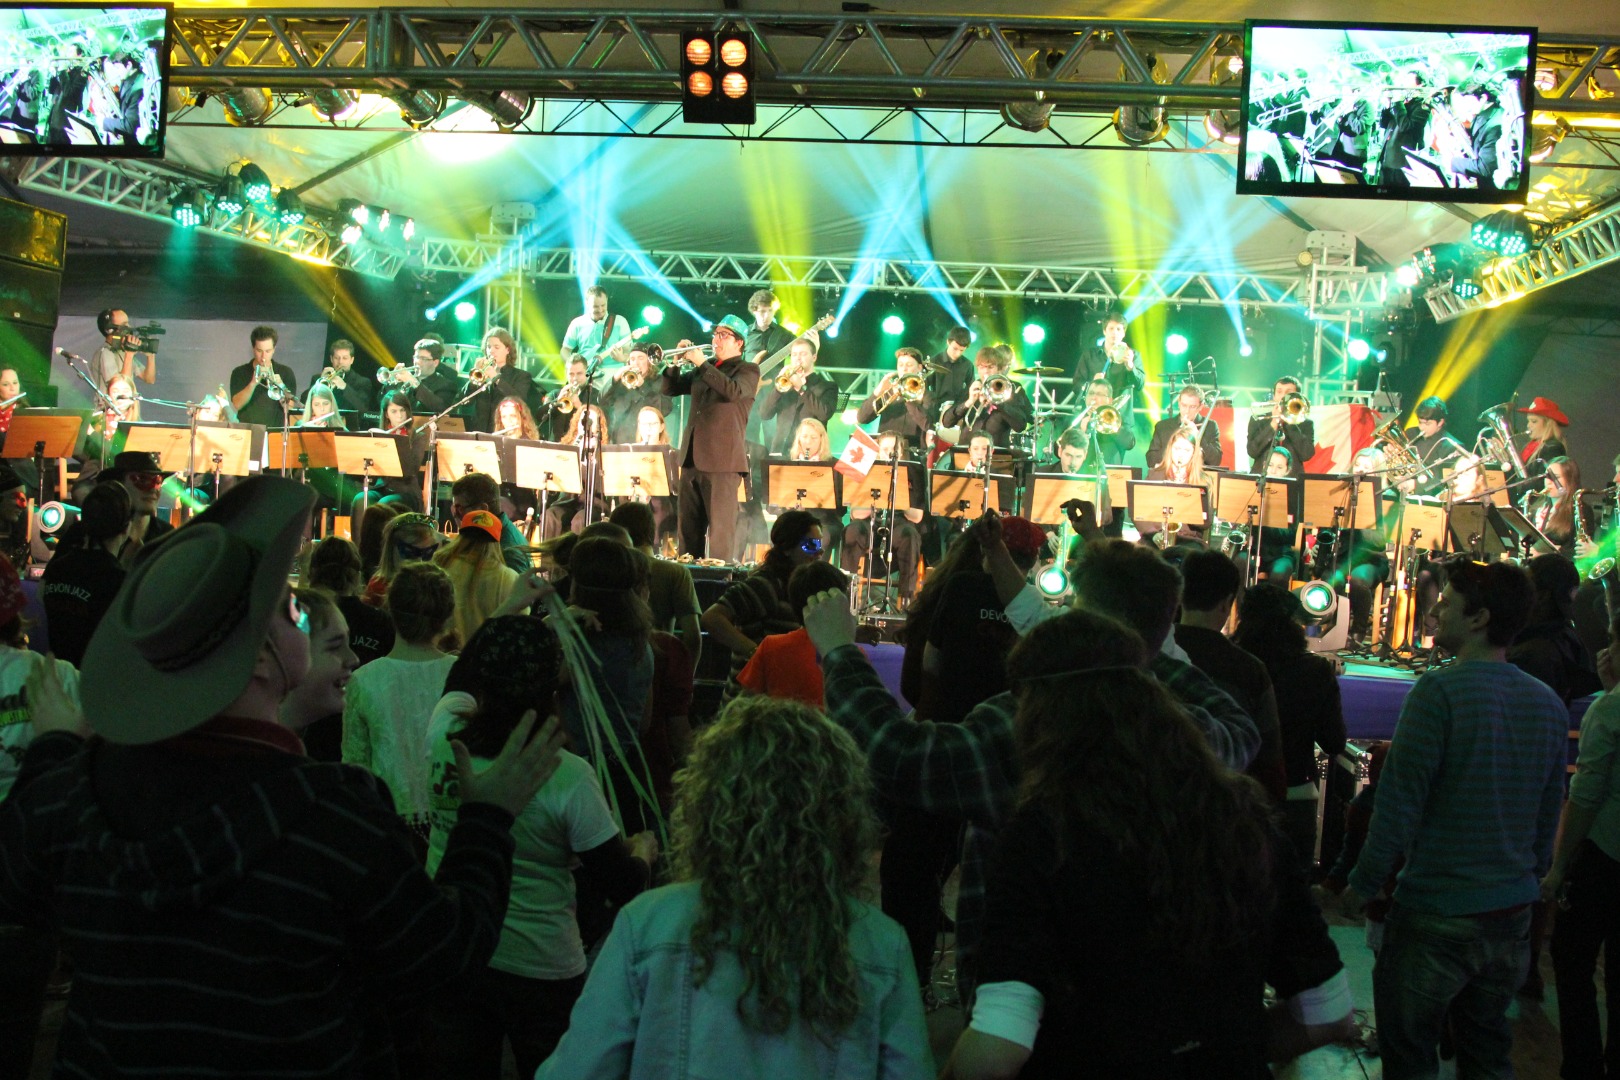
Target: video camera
139, 338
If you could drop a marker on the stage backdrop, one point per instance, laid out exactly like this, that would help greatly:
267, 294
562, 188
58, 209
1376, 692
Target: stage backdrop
194, 359
1579, 373
1341, 430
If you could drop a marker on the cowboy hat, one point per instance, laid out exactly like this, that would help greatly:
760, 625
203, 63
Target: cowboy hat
184, 632
1549, 408
132, 461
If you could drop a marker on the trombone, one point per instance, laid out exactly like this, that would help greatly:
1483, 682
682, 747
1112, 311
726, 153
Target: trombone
994, 391
893, 388
1294, 408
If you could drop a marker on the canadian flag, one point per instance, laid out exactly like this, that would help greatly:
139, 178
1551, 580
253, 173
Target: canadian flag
859, 454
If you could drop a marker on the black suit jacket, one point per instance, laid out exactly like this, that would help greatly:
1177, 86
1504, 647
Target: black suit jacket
359, 394
435, 393
1299, 440
817, 402
509, 382
1166, 429
714, 439
998, 421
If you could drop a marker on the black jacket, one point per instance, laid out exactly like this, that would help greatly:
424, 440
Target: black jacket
722, 394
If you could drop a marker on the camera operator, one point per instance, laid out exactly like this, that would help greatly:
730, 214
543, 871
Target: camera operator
119, 349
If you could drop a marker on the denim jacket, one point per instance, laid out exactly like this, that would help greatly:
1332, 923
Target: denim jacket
641, 1016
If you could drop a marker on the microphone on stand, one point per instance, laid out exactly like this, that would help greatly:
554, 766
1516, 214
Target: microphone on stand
70, 356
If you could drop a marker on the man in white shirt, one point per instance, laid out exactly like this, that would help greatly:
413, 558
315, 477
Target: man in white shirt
117, 355
595, 333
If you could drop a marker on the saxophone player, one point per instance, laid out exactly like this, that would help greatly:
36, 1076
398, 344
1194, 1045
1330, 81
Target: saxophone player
891, 406
799, 393
635, 388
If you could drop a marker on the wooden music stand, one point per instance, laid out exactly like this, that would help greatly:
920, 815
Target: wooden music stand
1429, 518
1119, 478
962, 494
458, 455
61, 430
807, 485
635, 471
169, 443
872, 490
366, 455
1049, 491
1523, 531
1157, 501
552, 468
309, 448
1325, 503
1237, 500
448, 425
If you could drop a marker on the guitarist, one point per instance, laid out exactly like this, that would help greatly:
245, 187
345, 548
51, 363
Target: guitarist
596, 334
809, 396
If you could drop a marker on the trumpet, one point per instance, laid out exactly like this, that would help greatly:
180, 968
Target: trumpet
567, 400
1292, 409
332, 378
683, 357
273, 386
408, 376
480, 372
631, 379
784, 381
893, 388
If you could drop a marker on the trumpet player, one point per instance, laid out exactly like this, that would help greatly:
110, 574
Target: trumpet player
900, 402
497, 373
633, 389
1279, 426
354, 392
261, 387
1189, 415
430, 386
799, 393
576, 392
995, 404
713, 453
1115, 361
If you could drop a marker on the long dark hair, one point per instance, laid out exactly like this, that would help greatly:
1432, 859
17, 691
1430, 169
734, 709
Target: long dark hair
1267, 628
509, 667
1110, 758
964, 554
605, 576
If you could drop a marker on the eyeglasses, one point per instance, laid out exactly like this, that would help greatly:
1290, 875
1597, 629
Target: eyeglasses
810, 545
412, 552
297, 615
146, 481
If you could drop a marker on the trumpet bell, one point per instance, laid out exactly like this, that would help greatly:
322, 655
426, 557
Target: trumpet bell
1601, 569
1107, 421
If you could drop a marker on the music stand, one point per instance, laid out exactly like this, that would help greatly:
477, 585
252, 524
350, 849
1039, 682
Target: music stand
872, 490
1237, 498
458, 455
369, 455
1474, 531
1161, 501
1526, 537
548, 469
955, 494
1428, 520
1049, 491
806, 485
631, 470
169, 443
1325, 503
1119, 478
312, 448
48, 433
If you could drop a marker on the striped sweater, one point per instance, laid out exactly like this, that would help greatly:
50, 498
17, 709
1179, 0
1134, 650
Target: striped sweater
232, 907
1470, 793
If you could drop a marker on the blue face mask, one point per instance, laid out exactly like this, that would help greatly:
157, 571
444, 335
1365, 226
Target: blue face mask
810, 545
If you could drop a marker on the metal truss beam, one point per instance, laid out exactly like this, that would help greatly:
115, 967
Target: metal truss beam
867, 59
1098, 284
144, 189
1576, 248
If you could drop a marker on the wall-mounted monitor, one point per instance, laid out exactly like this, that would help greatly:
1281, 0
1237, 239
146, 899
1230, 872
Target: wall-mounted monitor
83, 80
1384, 110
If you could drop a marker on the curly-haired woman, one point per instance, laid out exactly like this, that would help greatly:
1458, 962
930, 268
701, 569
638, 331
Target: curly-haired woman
759, 961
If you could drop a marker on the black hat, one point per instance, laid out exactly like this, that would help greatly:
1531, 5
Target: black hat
9, 478
131, 461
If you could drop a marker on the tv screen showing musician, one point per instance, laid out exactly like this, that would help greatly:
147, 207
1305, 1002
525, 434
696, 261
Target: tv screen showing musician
80, 80
1385, 110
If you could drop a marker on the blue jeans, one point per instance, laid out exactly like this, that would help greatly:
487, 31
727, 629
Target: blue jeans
1434, 966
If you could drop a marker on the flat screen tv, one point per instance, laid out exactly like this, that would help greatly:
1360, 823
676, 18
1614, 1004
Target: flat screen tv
83, 80
1385, 110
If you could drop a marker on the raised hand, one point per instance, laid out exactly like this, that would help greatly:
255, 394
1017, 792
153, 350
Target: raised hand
518, 772
829, 621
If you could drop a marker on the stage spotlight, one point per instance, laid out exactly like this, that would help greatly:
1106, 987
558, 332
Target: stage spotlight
245, 106
384, 219
1225, 125
465, 311
1037, 114
1547, 140
228, 197
1245, 349
1176, 344
256, 185
407, 231
894, 325
55, 516
333, 105
832, 331
1407, 275
1504, 232
1326, 630
188, 208
1053, 581
508, 108
350, 234
289, 208
1467, 288
1139, 125
418, 108
1358, 349
717, 77
652, 315
431, 314
1034, 333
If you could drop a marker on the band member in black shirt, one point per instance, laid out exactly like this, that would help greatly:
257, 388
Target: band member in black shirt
889, 405
949, 372
359, 394
1189, 413
623, 403
1267, 430
261, 387
810, 395
995, 404
498, 366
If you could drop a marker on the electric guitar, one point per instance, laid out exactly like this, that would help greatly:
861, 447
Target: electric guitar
767, 365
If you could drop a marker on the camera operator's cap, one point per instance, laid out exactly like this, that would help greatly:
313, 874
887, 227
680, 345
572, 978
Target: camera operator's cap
131, 461
1549, 408
183, 634
484, 520
735, 325
1022, 536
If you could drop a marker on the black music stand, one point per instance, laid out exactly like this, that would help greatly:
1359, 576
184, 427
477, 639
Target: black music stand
1526, 537
367, 455
1476, 530
804, 485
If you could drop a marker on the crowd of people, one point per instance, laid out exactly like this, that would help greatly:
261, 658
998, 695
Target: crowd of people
388, 808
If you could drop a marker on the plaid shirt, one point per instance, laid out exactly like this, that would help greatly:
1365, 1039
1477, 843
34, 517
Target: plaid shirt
971, 770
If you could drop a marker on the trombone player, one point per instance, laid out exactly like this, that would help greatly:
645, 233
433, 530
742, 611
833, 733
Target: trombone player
1101, 423
995, 404
798, 393
635, 387
1286, 424
1189, 415
900, 403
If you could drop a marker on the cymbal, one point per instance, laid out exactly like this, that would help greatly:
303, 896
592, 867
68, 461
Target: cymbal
1042, 371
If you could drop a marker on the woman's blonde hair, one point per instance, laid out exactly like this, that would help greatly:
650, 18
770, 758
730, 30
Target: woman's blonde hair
821, 433
773, 820
598, 420
663, 426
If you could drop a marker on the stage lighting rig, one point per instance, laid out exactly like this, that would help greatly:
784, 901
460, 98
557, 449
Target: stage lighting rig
1140, 125
228, 196
188, 207
332, 105
289, 208
717, 77
418, 108
244, 106
256, 185
1505, 232
1037, 114
508, 108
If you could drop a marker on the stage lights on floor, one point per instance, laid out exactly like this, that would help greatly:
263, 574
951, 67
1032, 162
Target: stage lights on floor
894, 325
55, 516
1053, 581
188, 207
465, 311
1176, 344
256, 185
1034, 333
717, 77
652, 315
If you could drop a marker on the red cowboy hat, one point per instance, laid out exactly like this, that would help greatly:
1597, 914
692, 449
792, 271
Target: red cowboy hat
1549, 408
